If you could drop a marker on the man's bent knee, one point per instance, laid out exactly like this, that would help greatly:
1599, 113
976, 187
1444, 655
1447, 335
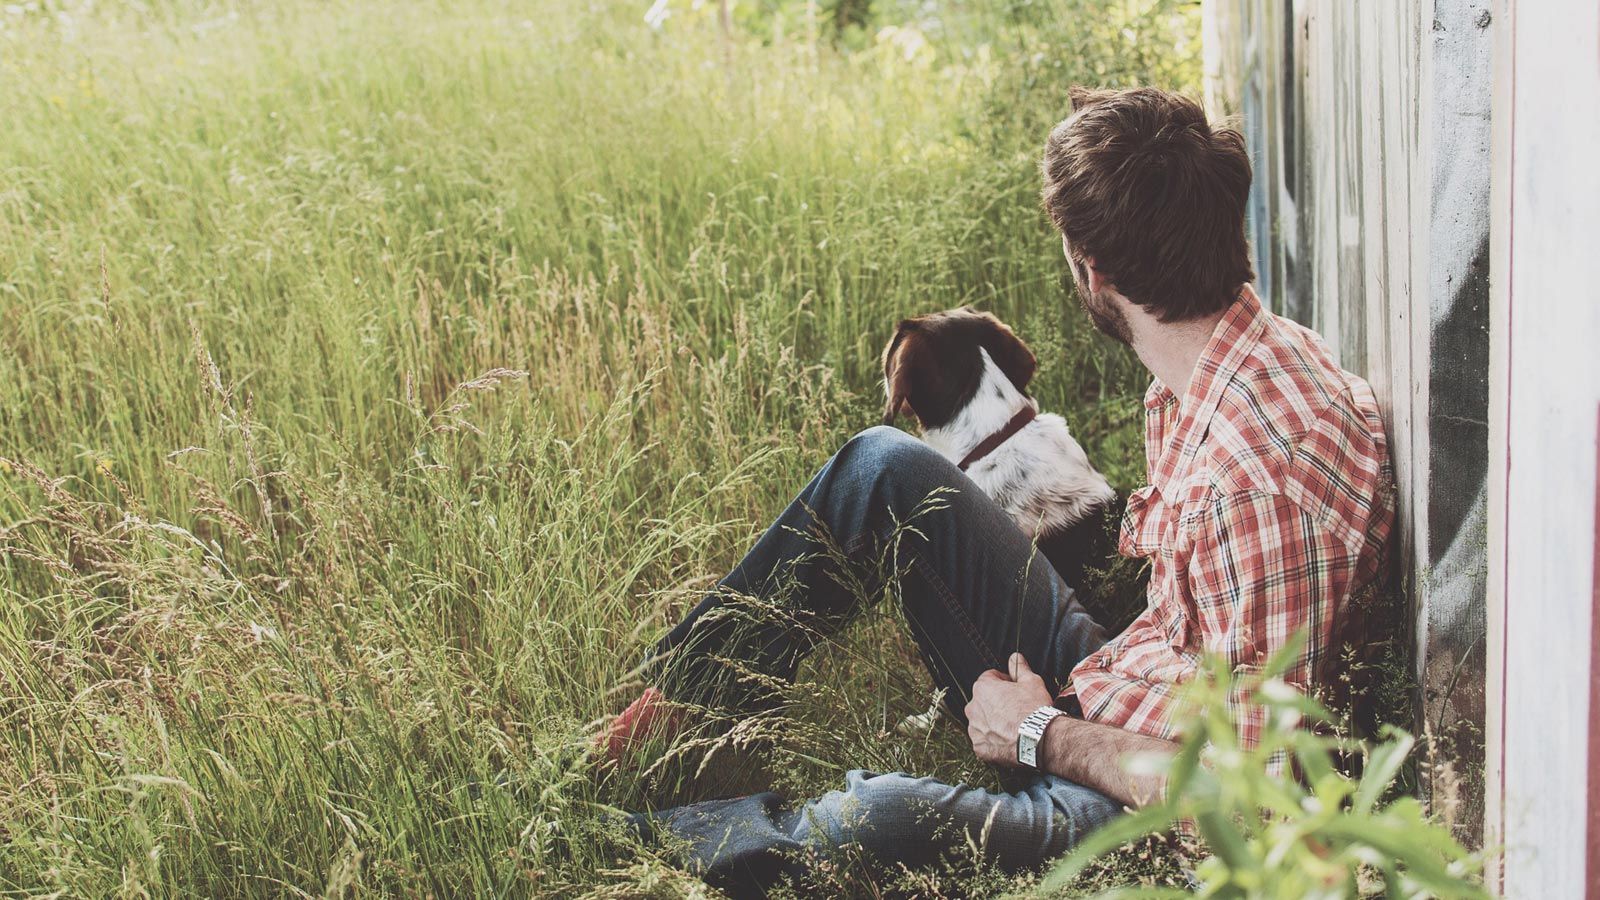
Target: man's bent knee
890, 457
876, 812
883, 440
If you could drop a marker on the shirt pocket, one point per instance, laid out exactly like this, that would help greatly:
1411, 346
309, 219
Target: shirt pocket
1170, 615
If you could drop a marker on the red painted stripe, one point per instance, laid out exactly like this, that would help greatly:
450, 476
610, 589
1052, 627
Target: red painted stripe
1504, 622
1593, 869
1510, 175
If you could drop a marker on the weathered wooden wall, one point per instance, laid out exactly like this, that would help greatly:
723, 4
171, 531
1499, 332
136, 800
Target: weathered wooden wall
1369, 126
1544, 610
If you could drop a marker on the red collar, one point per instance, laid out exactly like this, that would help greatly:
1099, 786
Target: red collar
989, 444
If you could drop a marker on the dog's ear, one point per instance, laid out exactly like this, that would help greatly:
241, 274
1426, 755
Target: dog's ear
896, 385
923, 372
1008, 352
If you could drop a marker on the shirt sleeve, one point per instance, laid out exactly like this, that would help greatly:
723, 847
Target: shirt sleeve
1261, 570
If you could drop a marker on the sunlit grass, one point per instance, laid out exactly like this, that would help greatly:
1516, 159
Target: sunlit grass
378, 379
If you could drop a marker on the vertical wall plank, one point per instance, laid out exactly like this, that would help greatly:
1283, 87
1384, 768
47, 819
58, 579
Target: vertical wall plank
1499, 383
1547, 382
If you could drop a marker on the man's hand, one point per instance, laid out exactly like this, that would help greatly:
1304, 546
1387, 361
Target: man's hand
1088, 753
999, 704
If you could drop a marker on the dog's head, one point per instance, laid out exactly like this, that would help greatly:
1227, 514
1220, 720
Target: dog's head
932, 367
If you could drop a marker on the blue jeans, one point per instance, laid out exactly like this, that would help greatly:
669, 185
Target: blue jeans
973, 589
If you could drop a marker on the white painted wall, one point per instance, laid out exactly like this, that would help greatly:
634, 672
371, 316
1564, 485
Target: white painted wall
1545, 402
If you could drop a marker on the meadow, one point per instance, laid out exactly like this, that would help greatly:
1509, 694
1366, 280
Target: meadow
378, 380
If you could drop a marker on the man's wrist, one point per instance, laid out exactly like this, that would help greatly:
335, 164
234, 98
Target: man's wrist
1030, 735
1093, 755
1053, 742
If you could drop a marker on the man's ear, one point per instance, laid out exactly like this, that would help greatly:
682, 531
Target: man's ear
1097, 281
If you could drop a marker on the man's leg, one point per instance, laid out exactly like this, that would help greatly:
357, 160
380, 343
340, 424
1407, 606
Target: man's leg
973, 589
885, 509
747, 844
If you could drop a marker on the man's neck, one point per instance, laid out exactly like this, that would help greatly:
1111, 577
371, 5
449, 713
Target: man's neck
1171, 350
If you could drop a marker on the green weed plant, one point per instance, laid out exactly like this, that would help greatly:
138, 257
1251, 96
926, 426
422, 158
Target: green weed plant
1283, 818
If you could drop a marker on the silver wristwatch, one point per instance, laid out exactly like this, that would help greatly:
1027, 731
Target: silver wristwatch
1031, 732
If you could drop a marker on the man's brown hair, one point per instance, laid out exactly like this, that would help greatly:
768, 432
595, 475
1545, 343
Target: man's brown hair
1138, 181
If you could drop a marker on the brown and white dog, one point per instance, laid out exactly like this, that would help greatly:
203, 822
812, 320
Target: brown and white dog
964, 375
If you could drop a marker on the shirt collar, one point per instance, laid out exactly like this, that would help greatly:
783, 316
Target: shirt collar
1236, 335
1157, 395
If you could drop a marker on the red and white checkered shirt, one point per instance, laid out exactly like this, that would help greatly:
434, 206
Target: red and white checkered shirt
1270, 503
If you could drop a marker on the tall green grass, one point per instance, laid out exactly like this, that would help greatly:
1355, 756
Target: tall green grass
378, 379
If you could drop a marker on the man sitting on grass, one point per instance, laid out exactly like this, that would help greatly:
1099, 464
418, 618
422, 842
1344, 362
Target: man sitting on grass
1268, 506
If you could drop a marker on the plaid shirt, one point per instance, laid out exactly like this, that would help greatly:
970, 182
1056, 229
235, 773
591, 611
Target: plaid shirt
1270, 502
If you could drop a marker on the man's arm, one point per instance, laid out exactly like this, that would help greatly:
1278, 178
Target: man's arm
1260, 569
1087, 753
1095, 755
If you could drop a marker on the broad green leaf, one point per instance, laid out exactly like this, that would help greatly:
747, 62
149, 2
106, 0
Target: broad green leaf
1108, 837
1403, 847
1225, 840
1382, 766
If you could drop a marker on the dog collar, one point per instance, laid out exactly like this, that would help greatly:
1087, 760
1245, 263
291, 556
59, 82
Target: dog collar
989, 444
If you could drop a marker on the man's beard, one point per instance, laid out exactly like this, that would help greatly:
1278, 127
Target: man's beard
1102, 309
1107, 317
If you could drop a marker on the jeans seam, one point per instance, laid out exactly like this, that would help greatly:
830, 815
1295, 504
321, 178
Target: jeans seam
854, 545
956, 610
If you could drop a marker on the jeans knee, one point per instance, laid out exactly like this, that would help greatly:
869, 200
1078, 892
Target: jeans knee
880, 439
884, 453
872, 811
879, 477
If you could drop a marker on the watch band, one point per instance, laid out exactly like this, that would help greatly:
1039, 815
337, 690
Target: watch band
1031, 732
